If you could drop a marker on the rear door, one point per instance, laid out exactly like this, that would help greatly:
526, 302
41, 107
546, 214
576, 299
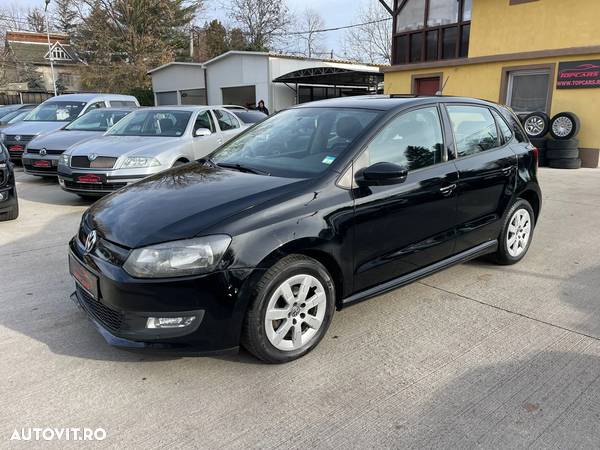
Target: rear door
404, 227
203, 145
487, 170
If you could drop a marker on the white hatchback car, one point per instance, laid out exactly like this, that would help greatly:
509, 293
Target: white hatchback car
145, 142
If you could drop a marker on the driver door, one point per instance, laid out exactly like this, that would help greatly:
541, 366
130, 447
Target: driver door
403, 227
203, 145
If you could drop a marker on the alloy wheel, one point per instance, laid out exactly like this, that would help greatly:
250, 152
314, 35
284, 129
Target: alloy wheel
562, 126
534, 125
519, 232
295, 312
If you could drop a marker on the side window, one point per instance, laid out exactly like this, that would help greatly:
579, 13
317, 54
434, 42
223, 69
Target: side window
204, 120
474, 129
516, 126
412, 140
226, 120
96, 105
504, 128
122, 103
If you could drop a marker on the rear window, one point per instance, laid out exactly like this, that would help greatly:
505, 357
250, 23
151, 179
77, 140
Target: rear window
250, 116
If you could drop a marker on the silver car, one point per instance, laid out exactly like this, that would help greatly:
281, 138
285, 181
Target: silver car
42, 153
53, 114
145, 142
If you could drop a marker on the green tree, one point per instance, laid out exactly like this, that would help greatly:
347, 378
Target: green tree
27, 73
262, 21
36, 20
237, 40
215, 39
65, 16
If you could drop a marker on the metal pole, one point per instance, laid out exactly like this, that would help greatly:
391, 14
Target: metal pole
50, 48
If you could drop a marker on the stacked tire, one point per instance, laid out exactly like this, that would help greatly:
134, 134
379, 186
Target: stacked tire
561, 149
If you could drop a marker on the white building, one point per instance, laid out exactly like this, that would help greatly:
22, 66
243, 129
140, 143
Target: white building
245, 78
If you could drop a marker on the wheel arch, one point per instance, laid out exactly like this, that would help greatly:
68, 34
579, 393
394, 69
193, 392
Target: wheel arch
534, 200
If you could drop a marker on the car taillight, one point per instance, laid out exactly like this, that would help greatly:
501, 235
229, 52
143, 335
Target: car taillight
536, 156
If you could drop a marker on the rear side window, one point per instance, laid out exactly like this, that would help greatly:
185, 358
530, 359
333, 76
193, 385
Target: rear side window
504, 128
412, 140
474, 129
516, 126
123, 103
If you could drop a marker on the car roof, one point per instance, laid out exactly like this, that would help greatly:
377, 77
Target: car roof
89, 97
389, 102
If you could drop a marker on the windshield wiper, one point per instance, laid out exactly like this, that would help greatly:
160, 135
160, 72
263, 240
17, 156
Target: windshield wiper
241, 168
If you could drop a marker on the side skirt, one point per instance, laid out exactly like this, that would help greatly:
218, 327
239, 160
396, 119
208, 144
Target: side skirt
472, 253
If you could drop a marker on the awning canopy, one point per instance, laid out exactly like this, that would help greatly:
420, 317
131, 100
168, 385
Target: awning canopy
331, 76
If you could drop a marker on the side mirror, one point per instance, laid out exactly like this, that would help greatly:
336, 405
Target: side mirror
382, 174
202, 132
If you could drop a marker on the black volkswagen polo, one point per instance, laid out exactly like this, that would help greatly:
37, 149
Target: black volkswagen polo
9, 204
318, 207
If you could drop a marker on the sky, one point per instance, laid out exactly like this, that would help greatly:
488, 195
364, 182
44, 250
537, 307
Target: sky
334, 13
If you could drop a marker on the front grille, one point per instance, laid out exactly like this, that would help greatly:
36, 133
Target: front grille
101, 162
108, 187
10, 138
108, 317
36, 151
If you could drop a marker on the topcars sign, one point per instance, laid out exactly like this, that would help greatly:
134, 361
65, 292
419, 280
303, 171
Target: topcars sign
578, 75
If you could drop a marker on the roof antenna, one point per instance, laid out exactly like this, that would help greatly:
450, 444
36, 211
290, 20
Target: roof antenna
441, 91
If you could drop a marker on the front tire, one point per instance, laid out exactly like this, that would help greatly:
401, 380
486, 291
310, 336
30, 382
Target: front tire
291, 310
516, 235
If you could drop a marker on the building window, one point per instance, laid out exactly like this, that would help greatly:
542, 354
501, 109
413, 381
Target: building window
166, 98
58, 53
429, 30
527, 90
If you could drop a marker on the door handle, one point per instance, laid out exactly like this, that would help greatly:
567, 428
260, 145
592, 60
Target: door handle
446, 190
219, 141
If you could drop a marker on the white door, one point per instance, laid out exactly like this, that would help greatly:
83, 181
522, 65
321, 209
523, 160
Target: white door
229, 124
203, 145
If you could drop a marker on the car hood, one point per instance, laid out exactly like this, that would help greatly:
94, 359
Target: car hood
35, 128
179, 203
125, 145
62, 139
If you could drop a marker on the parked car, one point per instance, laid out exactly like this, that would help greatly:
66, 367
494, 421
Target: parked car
249, 117
145, 142
8, 109
15, 116
9, 204
54, 113
314, 209
42, 153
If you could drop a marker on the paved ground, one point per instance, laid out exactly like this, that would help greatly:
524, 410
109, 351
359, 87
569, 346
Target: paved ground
476, 356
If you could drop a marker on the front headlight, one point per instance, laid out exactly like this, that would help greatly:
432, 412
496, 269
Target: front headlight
63, 160
178, 258
139, 162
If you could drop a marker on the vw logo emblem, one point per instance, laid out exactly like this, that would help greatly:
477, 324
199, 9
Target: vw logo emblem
43, 152
92, 156
17, 138
90, 241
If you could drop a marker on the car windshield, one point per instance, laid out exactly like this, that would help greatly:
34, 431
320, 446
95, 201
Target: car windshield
297, 143
6, 110
55, 111
164, 123
18, 114
249, 116
96, 120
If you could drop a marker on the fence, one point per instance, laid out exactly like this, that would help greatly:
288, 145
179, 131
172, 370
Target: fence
24, 97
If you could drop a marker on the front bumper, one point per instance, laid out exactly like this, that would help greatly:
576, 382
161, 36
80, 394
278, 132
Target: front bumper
104, 181
8, 198
123, 305
31, 164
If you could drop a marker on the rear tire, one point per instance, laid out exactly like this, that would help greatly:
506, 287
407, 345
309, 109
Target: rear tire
517, 233
565, 163
12, 213
563, 153
299, 296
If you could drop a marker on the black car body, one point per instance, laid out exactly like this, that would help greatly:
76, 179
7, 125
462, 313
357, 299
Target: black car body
371, 229
9, 206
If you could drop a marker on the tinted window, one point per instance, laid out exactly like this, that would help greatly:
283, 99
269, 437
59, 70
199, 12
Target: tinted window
515, 124
226, 120
297, 143
123, 104
412, 140
474, 129
250, 116
152, 123
504, 128
204, 120
97, 105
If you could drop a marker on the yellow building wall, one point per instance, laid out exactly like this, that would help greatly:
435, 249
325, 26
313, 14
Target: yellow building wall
498, 27
484, 80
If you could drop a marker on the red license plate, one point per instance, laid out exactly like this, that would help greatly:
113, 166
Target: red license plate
91, 179
86, 279
16, 148
42, 163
